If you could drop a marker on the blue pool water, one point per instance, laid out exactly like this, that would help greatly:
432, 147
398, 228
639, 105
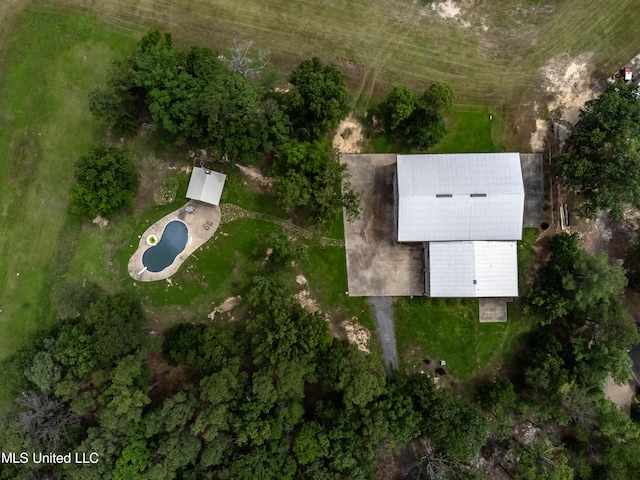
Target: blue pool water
173, 240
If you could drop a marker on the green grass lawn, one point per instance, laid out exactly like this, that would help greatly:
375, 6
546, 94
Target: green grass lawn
470, 130
49, 63
449, 329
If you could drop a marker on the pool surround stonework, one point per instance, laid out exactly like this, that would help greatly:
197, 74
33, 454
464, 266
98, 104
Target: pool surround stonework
201, 224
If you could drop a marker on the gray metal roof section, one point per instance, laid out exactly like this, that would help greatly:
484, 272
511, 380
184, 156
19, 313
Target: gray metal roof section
473, 269
472, 196
206, 185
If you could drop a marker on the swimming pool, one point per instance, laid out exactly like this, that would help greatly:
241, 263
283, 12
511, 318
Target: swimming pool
172, 243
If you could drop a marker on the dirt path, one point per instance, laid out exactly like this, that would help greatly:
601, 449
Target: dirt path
231, 212
382, 309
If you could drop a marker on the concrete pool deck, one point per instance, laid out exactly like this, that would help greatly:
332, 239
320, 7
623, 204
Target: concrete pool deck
199, 231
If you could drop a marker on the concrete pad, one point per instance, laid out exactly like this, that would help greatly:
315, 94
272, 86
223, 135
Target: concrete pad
533, 179
376, 264
201, 224
493, 309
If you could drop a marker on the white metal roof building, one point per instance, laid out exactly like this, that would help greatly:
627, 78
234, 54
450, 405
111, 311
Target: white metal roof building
474, 196
206, 185
473, 269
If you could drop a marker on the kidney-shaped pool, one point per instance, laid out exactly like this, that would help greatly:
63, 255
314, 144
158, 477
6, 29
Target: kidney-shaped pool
173, 240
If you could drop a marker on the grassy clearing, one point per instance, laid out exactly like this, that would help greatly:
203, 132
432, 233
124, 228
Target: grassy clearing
326, 270
43, 107
449, 328
470, 130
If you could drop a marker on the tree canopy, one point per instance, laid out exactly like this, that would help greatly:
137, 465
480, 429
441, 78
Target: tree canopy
318, 100
310, 177
580, 292
603, 159
106, 180
417, 120
193, 97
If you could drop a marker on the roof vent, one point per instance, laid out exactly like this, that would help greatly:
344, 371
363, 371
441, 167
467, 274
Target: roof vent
478, 194
444, 195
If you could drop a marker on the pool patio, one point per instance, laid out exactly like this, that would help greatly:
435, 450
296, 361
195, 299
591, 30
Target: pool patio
201, 223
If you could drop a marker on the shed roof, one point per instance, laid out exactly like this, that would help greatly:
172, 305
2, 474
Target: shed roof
462, 196
473, 269
206, 185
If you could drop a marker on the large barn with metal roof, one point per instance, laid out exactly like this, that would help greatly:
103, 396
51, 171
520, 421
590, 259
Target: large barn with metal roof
467, 210
441, 225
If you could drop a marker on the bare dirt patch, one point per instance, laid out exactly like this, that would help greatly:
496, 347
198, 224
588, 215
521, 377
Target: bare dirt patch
567, 84
254, 174
447, 9
595, 234
225, 306
621, 395
349, 137
307, 301
538, 137
357, 334
101, 222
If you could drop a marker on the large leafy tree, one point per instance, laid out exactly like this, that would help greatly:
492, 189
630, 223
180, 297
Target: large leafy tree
417, 120
454, 424
106, 180
190, 97
319, 98
309, 177
603, 159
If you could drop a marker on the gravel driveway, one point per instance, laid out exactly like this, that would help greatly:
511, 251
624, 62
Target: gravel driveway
382, 310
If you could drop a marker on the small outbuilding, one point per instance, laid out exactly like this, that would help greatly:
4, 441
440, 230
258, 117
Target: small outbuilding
206, 185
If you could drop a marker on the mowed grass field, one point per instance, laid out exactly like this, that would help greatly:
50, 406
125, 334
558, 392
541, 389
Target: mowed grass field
47, 66
491, 53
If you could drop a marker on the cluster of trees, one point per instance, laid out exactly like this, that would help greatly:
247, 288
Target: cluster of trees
277, 398
105, 181
231, 107
603, 159
278, 395
579, 292
583, 337
309, 177
416, 119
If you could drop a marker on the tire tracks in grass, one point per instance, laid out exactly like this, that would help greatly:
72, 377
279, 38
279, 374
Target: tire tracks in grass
386, 52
